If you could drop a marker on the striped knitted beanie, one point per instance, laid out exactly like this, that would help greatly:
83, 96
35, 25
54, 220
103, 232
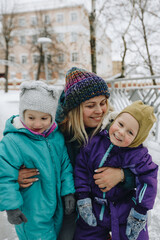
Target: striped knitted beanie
81, 86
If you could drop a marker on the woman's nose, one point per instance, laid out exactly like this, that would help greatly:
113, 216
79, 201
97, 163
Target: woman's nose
98, 109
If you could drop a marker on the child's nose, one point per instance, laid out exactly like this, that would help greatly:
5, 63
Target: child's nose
37, 124
121, 131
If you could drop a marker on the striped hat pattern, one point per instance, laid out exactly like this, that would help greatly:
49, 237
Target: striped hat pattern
81, 86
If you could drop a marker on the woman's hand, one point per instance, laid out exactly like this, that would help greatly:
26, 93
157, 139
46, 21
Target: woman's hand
25, 174
107, 177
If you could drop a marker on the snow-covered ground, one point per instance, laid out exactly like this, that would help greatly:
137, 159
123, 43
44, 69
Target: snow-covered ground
8, 107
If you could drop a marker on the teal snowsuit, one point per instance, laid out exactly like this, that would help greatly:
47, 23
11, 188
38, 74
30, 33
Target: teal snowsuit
41, 202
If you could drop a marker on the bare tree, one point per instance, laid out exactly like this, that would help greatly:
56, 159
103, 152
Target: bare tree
146, 25
134, 29
45, 28
118, 16
8, 24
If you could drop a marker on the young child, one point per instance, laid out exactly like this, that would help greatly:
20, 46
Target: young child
124, 213
33, 139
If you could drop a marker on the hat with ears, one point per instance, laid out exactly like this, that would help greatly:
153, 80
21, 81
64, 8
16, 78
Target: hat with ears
37, 96
82, 85
144, 114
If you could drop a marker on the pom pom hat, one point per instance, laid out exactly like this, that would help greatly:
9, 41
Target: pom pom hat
37, 96
144, 114
81, 86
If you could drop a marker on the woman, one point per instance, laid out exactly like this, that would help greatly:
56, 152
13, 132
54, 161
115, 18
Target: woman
82, 86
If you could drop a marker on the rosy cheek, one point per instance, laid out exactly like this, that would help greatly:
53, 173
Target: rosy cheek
111, 130
105, 109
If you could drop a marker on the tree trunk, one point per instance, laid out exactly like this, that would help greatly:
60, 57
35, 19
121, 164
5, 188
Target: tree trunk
6, 68
92, 20
40, 64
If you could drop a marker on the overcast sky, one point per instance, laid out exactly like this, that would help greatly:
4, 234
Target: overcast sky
54, 3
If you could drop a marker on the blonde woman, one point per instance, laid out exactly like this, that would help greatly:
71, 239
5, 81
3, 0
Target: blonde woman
85, 89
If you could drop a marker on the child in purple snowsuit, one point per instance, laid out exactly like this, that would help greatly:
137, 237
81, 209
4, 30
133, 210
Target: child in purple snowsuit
122, 213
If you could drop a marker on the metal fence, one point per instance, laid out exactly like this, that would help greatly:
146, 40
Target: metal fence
125, 91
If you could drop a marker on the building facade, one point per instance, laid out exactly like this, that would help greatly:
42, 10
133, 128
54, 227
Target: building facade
69, 30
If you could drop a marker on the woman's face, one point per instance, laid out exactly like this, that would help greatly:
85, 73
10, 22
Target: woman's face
94, 110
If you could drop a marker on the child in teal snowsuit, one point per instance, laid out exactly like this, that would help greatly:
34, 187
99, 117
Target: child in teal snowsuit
33, 139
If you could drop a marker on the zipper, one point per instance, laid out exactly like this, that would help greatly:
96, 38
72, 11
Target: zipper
100, 165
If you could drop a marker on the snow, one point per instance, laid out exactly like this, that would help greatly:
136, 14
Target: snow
9, 107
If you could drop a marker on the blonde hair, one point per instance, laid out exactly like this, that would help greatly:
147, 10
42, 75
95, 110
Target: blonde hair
73, 125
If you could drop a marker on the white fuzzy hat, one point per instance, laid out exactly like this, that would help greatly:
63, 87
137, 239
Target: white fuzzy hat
38, 96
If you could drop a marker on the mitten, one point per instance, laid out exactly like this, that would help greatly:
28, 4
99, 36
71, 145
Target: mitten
16, 216
135, 224
85, 211
69, 204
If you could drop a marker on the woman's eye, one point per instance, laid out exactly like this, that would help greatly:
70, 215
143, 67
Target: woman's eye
30, 118
103, 103
44, 119
89, 106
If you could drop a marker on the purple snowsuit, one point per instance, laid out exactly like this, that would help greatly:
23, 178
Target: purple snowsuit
112, 208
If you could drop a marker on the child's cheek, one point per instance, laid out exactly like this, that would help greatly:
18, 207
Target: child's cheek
111, 130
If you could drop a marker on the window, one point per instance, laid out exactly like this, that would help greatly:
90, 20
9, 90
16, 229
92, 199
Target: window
21, 22
61, 75
50, 74
73, 37
11, 42
35, 75
24, 75
12, 75
74, 57
49, 58
73, 16
12, 59
22, 40
61, 58
59, 18
34, 21
34, 39
23, 59
46, 19
60, 37
35, 58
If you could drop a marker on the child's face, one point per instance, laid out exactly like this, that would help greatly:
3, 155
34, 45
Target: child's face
93, 111
124, 130
37, 121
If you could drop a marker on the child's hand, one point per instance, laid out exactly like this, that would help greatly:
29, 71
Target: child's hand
85, 211
135, 224
16, 216
70, 203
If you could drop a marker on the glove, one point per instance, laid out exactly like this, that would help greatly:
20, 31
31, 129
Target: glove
85, 211
135, 224
16, 216
69, 204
